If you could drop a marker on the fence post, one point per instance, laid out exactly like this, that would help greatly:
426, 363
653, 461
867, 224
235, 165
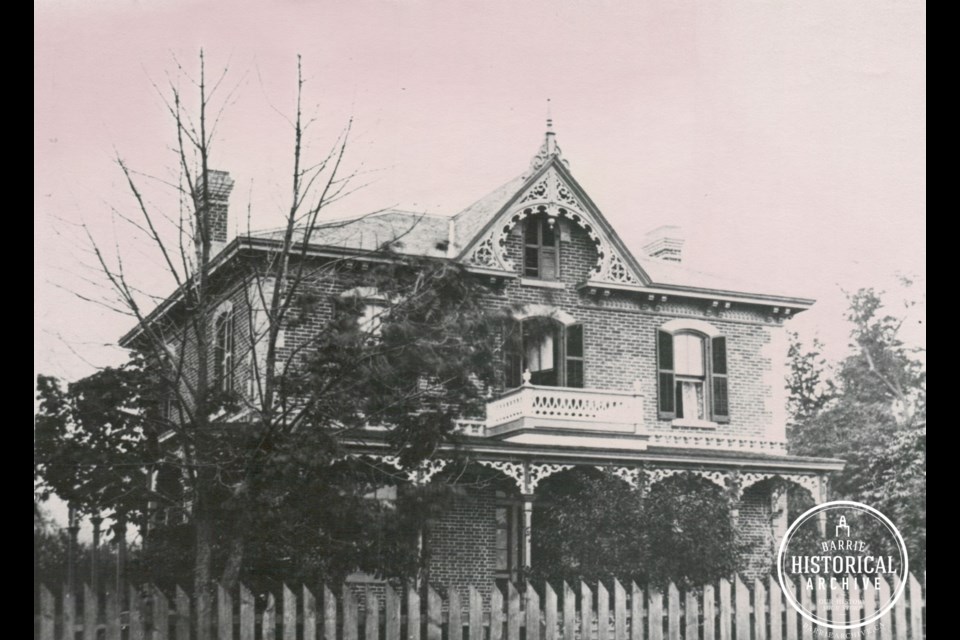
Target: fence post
350, 617
91, 605
532, 606
900, 612
161, 614
371, 615
391, 614
224, 614
69, 613
806, 601
454, 624
496, 614
513, 612
916, 604
47, 613
310, 616
112, 615
636, 612
434, 615
603, 612
248, 615
742, 598
655, 613
586, 612
136, 614
886, 624
619, 611
709, 612
569, 613
413, 615
673, 612
329, 614
869, 610
725, 617
181, 623
268, 623
289, 614
759, 610
549, 613
691, 614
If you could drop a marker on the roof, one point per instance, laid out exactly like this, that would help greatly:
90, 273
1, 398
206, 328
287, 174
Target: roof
471, 220
405, 232
493, 449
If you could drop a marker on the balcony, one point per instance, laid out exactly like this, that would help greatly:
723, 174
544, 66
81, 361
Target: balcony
564, 415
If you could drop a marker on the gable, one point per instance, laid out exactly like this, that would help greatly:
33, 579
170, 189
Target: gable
552, 190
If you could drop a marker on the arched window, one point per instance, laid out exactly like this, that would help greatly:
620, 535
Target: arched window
692, 372
223, 352
551, 350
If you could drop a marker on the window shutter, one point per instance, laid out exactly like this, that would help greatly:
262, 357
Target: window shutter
665, 382
575, 356
513, 355
718, 375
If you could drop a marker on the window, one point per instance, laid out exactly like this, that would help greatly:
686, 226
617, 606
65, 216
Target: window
692, 375
223, 352
371, 319
372, 306
541, 248
551, 351
507, 543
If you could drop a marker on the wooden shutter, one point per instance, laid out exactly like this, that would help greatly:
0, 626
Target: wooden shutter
574, 356
513, 358
666, 404
720, 404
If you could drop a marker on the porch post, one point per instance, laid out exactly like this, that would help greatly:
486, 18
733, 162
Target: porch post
778, 505
821, 498
73, 528
527, 529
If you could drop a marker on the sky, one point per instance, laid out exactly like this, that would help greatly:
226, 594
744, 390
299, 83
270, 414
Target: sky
786, 139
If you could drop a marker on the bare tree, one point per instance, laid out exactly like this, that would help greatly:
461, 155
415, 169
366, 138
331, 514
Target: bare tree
231, 394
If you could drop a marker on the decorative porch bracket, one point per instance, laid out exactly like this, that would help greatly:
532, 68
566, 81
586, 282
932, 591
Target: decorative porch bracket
419, 476
527, 475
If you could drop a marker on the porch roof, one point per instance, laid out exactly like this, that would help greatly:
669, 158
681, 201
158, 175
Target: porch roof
483, 448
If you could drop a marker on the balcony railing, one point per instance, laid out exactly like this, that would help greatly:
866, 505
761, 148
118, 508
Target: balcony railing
539, 407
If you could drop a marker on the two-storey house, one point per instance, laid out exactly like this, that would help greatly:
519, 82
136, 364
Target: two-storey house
639, 368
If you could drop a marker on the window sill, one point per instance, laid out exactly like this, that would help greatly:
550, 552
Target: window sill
692, 423
545, 284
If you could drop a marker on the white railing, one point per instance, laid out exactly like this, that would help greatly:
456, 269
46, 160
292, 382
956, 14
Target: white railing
585, 407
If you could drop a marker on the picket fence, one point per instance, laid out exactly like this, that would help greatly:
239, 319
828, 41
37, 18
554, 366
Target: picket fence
723, 611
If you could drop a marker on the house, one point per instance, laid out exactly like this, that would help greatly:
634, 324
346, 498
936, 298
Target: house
641, 368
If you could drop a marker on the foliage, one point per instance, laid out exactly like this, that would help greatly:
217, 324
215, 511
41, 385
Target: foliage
92, 440
872, 414
593, 527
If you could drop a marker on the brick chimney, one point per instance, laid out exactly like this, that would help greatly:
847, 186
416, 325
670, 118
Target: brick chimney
221, 184
664, 243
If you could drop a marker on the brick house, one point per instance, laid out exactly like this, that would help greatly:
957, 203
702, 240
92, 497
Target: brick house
645, 369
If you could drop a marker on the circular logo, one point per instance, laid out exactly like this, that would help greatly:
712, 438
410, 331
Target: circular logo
836, 562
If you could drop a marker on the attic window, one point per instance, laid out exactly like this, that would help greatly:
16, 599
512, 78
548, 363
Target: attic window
541, 248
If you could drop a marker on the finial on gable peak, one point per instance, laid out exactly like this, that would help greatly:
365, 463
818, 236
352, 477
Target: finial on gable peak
549, 148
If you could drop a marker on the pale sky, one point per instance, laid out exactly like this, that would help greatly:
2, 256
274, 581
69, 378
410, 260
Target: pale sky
788, 139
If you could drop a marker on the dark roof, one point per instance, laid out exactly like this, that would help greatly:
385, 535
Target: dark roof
405, 232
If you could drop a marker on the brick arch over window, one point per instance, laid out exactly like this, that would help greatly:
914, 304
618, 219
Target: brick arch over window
544, 311
692, 382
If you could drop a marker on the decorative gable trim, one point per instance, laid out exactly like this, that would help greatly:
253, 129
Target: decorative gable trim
553, 194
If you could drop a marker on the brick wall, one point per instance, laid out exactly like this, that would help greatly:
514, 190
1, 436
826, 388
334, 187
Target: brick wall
463, 540
619, 335
756, 531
